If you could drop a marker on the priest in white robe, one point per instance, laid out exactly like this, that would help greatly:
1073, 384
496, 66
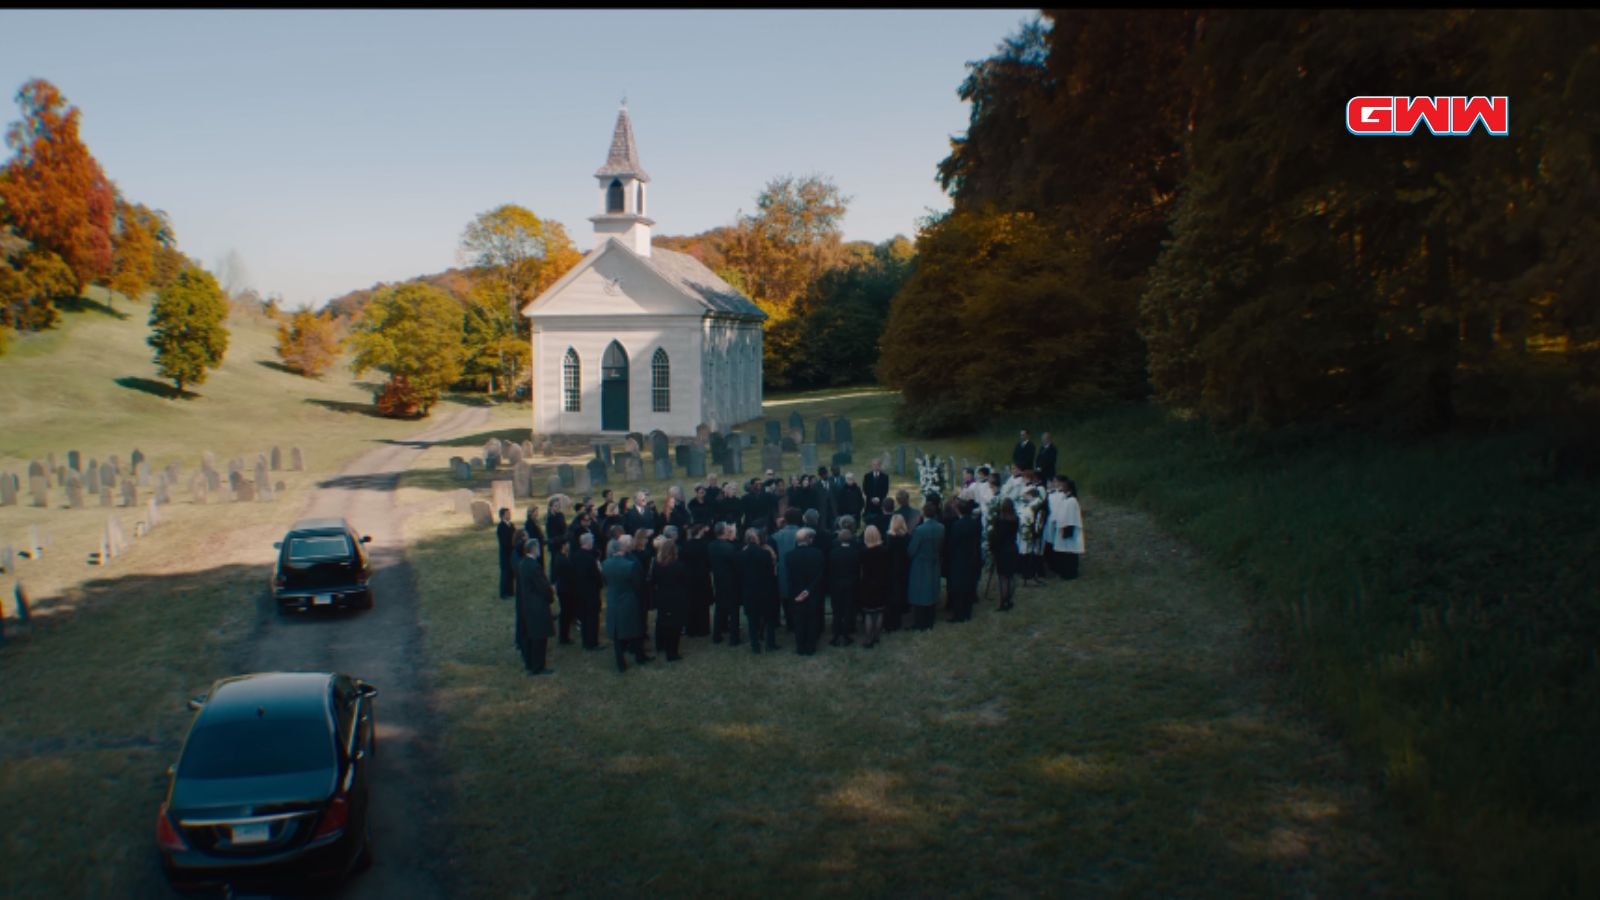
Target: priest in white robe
1064, 528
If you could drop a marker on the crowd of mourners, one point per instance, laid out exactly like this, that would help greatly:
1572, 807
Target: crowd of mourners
785, 554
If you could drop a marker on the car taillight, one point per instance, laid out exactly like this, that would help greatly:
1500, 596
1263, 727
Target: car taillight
166, 835
334, 818
281, 581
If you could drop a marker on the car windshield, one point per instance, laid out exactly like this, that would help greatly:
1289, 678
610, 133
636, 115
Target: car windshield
313, 547
256, 747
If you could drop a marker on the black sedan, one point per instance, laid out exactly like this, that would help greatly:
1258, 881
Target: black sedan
322, 563
271, 785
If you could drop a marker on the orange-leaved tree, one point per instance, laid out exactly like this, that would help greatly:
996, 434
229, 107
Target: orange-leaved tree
308, 343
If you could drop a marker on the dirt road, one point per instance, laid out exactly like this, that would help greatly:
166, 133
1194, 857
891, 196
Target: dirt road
382, 646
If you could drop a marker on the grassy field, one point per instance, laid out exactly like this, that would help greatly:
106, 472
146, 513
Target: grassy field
1121, 735
92, 700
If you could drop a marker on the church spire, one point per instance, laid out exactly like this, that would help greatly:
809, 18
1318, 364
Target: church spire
624, 156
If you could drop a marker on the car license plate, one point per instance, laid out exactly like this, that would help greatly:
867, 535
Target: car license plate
323, 599
257, 833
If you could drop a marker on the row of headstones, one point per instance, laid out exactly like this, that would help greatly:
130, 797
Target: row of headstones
828, 431
102, 479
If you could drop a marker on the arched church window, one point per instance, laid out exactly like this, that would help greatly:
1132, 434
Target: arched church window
571, 387
660, 382
614, 197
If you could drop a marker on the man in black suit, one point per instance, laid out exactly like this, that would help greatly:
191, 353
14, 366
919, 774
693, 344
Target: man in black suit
724, 555
754, 508
506, 534
582, 581
807, 576
758, 587
844, 570
965, 562
905, 511
876, 485
1045, 462
1022, 455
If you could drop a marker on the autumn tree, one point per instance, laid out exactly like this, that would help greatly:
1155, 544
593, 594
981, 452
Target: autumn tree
54, 190
495, 351
793, 237
30, 282
187, 328
308, 343
412, 333
515, 255
832, 339
138, 235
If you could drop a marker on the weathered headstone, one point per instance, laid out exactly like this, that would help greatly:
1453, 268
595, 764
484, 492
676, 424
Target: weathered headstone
74, 460
35, 542
502, 495
619, 461
481, 513
900, 459
735, 460
680, 454
639, 442
130, 494
633, 470
662, 468
808, 457
597, 472
580, 476
554, 485
491, 454
235, 482
774, 431
152, 517
772, 456
8, 490
91, 480
163, 492
141, 474
20, 596
659, 445
741, 440
797, 421
513, 453
793, 440
460, 469
39, 492
719, 449
276, 460
602, 452
36, 469
842, 430
824, 430
632, 446
263, 486
521, 476
463, 500
297, 460
702, 434
696, 466
527, 449
564, 474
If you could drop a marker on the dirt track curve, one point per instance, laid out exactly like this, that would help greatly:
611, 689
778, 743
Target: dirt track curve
382, 646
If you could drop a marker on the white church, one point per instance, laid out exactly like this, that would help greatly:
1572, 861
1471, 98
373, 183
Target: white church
637, 338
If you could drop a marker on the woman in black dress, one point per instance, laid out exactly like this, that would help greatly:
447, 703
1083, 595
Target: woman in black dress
1003, 550
555, 524
898, 541
873, 594
669, 580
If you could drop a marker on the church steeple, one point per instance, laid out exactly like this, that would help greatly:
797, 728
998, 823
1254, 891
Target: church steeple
622, 201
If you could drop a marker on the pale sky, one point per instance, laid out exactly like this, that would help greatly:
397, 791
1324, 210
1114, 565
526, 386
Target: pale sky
334, 149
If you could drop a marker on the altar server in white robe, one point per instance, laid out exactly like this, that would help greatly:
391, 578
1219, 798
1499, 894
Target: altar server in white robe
1064, 528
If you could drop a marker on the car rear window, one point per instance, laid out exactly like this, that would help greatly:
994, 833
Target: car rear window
312, 547
258, 746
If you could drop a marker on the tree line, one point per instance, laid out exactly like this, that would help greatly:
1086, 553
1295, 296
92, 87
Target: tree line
1166, 204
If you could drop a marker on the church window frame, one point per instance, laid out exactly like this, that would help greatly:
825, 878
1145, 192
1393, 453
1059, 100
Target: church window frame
660, 381
571, 382
616, 197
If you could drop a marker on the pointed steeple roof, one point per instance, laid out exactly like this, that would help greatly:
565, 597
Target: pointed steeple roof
624, 156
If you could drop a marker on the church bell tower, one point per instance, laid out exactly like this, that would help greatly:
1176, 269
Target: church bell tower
622, 193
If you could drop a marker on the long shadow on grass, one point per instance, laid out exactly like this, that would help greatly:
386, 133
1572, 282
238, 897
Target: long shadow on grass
84, 304
345, 406
154, 388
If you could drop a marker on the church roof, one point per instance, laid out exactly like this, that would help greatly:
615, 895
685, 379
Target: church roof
624, 156
692, 277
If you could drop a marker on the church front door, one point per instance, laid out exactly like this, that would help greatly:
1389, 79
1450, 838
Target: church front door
614, 389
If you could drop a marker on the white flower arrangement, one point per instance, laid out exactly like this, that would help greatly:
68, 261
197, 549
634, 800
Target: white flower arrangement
1030, 510
930, 476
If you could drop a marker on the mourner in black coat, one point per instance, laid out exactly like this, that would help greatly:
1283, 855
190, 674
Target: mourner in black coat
696, 556
533, 626
872, 594
724, 561
876, 483
844, 572
670, 580
583, 581
851, 500
965, 540
1045, 462
1022, 455
754, 509
506, 534
807, 580
758, 586
533, 531
560, 581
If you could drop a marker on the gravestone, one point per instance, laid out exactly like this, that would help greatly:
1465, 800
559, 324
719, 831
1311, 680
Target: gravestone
491, 456
794, 439
564, 474
213, 480
639, 442
696, 466
808, 457
36, 469
521, 478
107, 497
297, 461
108, 473
602, 452
235, 483
735, 460
662, 468
842, 458
513, 454
741, 440
152, 517
463, 500
619, 461
39, 491
502, 495
527, 449
597, 472
74, 491
702, 434
659, 445
900, 459
481, 514
163, 494
772, 456
276, 460
580, 477
719, 449
774, 431
631, 446
633, 470
130, 494
142, 474
824, 431
555, 485
460, 469
680, 454
8, 490
91, 480
842, 431
74, 460
263, 486
797, 421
